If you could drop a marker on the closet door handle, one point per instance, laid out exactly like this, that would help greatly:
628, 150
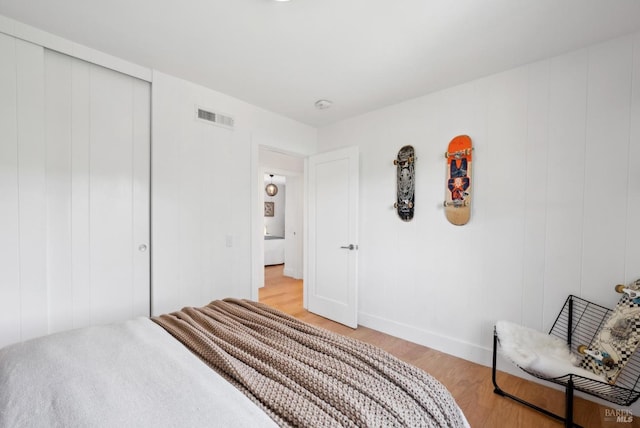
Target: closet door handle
349, 247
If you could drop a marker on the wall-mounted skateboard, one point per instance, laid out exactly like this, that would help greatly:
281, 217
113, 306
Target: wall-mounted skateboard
406, 182
457, 200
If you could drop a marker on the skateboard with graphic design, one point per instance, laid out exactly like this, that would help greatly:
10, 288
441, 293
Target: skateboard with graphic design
618, 338
457, 201
405, 182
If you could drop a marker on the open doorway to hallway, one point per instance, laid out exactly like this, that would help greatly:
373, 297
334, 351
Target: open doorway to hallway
279, 225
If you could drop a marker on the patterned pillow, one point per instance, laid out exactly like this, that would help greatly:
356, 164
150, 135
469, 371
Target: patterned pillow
618, 338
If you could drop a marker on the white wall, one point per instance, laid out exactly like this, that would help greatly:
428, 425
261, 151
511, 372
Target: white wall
202, 198
555, 207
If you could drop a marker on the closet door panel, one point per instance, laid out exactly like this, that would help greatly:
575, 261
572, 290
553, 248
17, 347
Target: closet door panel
80, 151
58, 83
141, 203
111, 203
31, 189
9, 220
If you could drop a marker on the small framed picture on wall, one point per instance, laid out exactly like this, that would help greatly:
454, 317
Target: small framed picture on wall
268, 209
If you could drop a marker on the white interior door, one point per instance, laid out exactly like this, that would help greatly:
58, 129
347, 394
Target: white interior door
331, 288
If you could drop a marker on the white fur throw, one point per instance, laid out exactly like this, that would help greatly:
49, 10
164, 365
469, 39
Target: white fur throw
538, 352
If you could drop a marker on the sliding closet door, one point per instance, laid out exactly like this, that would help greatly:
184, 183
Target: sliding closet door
118, 195
74, 186
10, 280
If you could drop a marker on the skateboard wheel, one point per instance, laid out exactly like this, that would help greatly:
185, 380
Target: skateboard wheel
395, 161
608, 362
446, 155
395, 205
582, 349
620, 288
410, 204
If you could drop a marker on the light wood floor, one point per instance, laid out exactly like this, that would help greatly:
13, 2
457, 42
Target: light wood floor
469, 383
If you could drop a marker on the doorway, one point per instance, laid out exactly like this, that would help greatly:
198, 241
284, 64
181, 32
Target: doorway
277, 234
329, 184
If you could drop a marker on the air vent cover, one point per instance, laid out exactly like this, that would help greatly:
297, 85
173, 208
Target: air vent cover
215, 118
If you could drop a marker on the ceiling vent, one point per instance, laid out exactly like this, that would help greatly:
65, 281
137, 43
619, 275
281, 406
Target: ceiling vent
215, 118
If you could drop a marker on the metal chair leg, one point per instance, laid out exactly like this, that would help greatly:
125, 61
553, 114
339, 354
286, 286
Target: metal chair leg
569, 404
568, 419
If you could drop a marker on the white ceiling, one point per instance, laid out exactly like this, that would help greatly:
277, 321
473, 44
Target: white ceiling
361, 54
278, 180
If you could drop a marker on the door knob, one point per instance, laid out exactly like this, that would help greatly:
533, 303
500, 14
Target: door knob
349, 247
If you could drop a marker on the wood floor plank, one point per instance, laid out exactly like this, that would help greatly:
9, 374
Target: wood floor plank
469, 383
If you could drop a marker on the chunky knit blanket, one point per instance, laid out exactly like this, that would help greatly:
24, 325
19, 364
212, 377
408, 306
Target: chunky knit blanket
305, 376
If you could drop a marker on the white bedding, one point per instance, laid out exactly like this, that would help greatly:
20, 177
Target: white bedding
132, 374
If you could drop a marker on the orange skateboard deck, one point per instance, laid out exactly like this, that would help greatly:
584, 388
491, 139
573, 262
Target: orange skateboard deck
457, 201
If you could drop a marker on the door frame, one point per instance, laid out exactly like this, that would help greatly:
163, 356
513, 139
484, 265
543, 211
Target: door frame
257, 214
257, 221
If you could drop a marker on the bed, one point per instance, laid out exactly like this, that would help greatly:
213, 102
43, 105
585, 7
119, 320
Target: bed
231, 363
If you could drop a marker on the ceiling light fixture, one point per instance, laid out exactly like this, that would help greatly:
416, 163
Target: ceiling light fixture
323, 104
271, 188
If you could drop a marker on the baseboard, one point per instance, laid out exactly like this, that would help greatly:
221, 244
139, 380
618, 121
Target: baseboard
448, 345
291, 273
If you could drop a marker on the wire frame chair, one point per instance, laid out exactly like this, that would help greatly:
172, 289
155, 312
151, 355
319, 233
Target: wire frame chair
578, 323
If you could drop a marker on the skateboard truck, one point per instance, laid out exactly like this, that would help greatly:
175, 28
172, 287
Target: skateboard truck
410, 160
405, 203
458, 154
456, 203
632, 293
602, 357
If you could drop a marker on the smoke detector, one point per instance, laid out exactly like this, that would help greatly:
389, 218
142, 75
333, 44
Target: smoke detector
323, 104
